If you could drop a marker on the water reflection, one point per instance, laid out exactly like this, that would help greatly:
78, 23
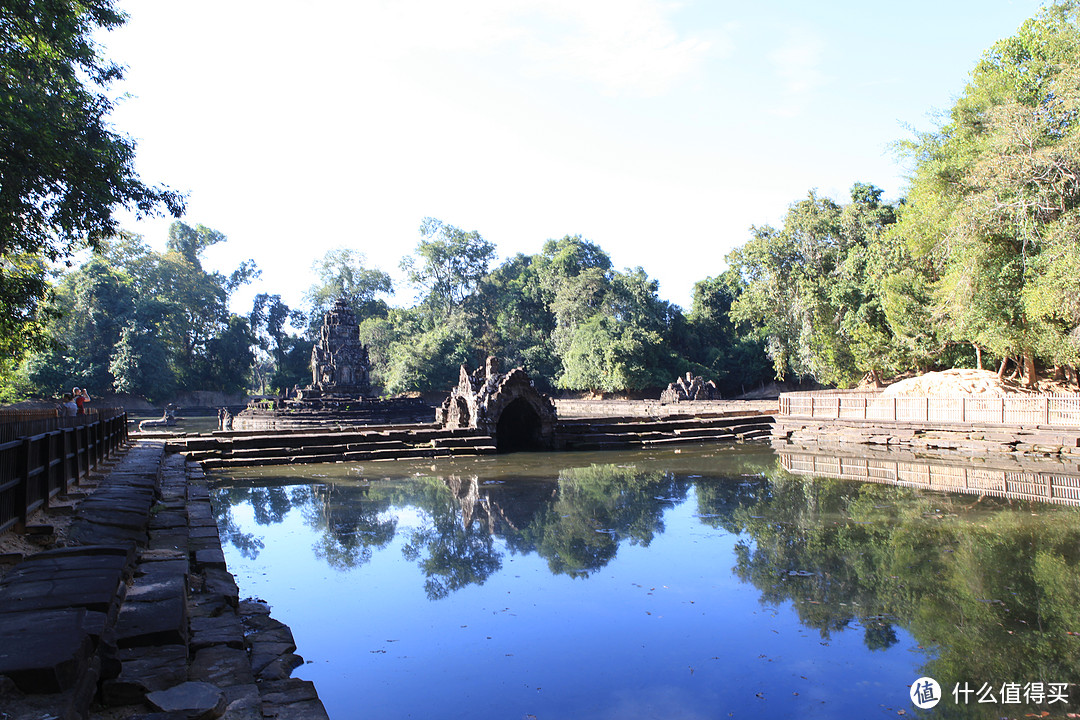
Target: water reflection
989, 588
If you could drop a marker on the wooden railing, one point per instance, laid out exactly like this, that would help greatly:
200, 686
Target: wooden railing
1016, 484
1049, 410
36, 467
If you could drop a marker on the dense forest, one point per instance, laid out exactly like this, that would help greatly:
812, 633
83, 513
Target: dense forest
977, 266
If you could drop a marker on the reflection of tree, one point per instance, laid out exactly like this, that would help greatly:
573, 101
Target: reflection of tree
460, 550
223, 500
594, 509
995, 591
353, 523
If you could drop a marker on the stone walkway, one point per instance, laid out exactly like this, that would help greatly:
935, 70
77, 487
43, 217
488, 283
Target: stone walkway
139, 618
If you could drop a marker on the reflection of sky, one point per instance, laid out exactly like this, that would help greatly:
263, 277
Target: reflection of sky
660, 631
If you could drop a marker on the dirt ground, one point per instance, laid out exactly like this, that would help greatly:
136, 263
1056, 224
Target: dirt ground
58, 516
968, 382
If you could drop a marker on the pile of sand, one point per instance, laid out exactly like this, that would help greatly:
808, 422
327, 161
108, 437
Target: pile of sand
957, 382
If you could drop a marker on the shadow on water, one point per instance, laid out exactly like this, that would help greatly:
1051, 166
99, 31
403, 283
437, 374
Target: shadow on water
988, 588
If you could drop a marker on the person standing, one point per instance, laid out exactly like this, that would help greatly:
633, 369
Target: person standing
81, 398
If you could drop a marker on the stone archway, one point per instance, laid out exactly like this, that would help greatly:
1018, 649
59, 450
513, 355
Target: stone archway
519, 428
506, 406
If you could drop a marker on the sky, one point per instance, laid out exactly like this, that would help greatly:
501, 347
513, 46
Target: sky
661, 131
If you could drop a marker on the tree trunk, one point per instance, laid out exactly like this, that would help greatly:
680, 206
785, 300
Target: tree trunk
1030, 376
978, 356
1001, 368
1017, 367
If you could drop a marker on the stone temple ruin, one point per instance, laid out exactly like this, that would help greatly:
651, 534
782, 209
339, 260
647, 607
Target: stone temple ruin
692, 387
339, 361
340, 392
506, 406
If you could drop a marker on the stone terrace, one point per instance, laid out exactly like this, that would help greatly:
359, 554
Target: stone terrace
138, 617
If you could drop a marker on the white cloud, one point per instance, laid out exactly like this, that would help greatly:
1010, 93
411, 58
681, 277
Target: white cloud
797, 67
624, 46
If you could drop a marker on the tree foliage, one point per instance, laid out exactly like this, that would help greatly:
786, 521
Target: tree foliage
343, 273
994, 205
64, 170
814, 288
135, 320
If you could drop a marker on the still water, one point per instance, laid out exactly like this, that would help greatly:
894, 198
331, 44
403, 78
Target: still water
703, 582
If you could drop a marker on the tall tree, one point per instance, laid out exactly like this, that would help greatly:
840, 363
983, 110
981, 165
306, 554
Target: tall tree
813, 287
343, 273
137, 320
64, 170
448, 265
995, 200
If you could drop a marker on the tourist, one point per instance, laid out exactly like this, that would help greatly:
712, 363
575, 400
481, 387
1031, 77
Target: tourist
68, 408
81, 398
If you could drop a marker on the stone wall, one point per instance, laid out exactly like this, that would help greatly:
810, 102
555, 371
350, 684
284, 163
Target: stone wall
657, 409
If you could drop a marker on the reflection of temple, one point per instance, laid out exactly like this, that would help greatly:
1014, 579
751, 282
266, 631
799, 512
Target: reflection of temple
505, 511
339, 361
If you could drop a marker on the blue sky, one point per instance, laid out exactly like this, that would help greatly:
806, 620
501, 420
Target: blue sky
659, 130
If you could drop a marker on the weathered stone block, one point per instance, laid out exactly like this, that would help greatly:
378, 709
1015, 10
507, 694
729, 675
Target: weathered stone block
45, 652
222, 630
161, 622
145, 670
194, 700
221, 665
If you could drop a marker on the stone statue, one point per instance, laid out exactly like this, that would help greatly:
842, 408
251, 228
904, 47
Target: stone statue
693, 387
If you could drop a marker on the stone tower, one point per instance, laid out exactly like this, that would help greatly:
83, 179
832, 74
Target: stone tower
339, 361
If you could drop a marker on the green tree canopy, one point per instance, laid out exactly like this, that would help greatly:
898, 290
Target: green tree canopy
449, 264
813, 287
64, 170
994, 205
343, 272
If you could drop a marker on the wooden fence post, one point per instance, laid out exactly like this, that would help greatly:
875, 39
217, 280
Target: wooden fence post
22, 469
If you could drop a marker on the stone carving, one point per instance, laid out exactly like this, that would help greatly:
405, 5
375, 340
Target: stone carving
339, 361
506, 406
692, 387
167, 419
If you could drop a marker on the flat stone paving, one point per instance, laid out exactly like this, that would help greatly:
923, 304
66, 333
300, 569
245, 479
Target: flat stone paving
139, 618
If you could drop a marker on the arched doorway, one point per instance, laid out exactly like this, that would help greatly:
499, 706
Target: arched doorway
519, 428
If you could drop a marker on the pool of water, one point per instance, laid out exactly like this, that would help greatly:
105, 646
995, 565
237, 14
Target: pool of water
700, 582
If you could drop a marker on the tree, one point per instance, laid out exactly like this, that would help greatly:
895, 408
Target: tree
995, 199
64, 171
449, 264
342, 273
136, 320
736, 360
813, 288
